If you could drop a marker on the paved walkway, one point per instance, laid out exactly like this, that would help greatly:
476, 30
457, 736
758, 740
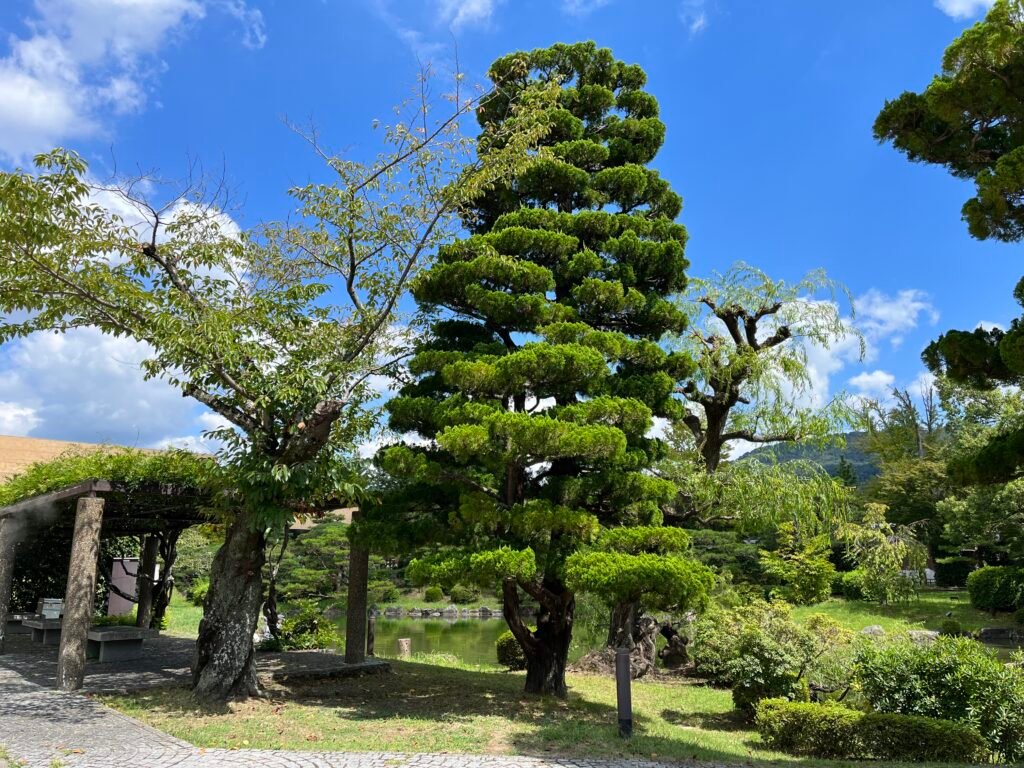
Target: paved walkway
43, 728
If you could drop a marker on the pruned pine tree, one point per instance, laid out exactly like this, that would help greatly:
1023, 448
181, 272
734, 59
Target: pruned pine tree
535, 394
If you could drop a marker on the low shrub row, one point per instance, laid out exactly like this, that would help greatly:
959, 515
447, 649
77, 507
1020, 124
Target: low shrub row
996, 588
953, 571
832, 731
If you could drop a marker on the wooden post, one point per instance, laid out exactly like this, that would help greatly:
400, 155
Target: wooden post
7, 540
80, 595
371, 634
355, 617
144, 582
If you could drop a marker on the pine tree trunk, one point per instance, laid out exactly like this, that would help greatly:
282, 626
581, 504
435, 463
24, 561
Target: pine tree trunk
547, 648
223, 666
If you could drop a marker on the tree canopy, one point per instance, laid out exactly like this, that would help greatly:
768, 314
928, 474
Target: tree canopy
535, 392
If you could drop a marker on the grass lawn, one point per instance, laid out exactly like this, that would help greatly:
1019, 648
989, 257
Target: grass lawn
183, 617
423, 707
928, 611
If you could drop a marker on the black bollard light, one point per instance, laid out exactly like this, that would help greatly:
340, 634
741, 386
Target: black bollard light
623, 681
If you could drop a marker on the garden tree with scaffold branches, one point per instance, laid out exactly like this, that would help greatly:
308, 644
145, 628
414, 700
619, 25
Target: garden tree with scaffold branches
750, 337
536, 390
279, 330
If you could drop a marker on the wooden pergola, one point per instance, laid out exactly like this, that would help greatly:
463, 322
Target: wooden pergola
88, 511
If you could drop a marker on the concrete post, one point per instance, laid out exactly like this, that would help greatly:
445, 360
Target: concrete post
355, 619
7, 540
144, 583
80, 595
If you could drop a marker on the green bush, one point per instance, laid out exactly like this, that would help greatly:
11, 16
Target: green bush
382, 591
433, 595
835, 732
849, 585
953, 571
510, 653
1018, 617
996, 588
912, 738
125, 620
802, 565
304, 627
816, 730
951, 627
760, 652
461, 594
197, 592
953, 678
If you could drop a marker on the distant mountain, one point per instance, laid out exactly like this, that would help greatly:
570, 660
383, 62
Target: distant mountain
855, 452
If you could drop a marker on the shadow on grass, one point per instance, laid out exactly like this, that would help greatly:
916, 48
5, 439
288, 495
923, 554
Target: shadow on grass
733, 720
577, 727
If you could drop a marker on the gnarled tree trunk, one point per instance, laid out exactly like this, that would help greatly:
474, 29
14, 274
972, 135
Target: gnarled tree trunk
630, 628
546, 648
223, 666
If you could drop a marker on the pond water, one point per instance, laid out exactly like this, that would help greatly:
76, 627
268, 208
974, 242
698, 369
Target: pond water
470, 640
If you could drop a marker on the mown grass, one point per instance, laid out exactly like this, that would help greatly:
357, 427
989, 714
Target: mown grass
183, 617
927, 611
430, 707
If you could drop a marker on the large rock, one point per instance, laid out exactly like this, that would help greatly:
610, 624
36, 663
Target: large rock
874, 630
922, 636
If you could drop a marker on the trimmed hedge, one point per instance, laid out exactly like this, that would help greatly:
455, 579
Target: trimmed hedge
817, 730
461, 594
510, 653
913, 738
996, 588
953, 571
834, 732
849, 584
433, 595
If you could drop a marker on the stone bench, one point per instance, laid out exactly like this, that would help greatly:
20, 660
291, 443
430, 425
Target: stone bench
116, 643
45, 631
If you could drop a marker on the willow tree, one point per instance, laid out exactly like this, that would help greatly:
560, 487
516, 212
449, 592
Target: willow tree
750, 337
277, 331
535, 393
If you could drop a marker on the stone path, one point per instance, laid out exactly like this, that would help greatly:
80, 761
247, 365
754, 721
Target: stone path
42, 728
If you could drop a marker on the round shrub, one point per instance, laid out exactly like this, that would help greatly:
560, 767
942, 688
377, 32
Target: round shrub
849, 585
304, 628
996, 588
1018, 617
382, 591
951, 627
462, 594
953, 571
433, 595
197, 592
510, 653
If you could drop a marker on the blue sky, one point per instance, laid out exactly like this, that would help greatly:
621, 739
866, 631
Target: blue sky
769, 106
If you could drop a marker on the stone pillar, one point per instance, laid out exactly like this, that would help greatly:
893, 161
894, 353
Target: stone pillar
355, 622
145, 581
8, 539
80, 595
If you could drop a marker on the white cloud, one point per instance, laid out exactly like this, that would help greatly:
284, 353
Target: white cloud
963, 9
85, 60
875, 383
17, 419
694, 15
83, 385
881, 316
922, 383
583, 7
459, 13
989, 325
